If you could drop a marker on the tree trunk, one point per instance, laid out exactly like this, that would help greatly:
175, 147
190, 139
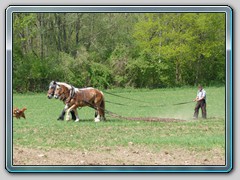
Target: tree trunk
177, 73
41, 27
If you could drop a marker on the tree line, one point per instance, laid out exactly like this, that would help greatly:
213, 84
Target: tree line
107, 50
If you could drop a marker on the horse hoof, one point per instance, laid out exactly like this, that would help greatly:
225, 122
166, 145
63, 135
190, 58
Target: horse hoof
103, 119
68, 118
77, 120
97, 120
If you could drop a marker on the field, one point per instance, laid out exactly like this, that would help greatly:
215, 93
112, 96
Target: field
176, 139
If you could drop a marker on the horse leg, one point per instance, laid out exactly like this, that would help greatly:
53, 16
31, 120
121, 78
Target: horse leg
100, 106
97, 118
68, 111
97, 112
101, 114
76, 113
102, 109
61, 117
73, 113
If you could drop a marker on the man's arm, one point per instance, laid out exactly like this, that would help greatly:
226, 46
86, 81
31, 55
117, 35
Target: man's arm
196, 99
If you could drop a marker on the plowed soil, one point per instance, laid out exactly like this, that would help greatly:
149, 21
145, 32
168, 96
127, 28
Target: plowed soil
130, 155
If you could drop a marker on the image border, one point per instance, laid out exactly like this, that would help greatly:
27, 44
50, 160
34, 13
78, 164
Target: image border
118, 9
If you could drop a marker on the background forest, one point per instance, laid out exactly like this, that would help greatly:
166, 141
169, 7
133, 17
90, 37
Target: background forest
108, 50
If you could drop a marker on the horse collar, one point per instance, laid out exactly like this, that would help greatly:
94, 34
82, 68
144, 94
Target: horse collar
72, 92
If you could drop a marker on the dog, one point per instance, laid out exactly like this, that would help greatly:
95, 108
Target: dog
18, 113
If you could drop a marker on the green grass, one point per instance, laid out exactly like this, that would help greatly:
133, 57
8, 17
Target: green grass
42, 130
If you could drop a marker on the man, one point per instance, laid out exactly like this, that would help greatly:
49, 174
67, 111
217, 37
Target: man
201, 102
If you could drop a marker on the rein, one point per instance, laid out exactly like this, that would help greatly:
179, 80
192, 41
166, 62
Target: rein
125, 97
147, 104
182, 103
115, 115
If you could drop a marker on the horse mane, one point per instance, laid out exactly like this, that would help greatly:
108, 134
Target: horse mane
86, 88
65, 84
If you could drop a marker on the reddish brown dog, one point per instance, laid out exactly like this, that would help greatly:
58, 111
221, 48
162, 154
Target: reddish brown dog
18, 113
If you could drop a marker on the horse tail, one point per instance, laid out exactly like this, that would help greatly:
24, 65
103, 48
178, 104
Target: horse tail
102, 106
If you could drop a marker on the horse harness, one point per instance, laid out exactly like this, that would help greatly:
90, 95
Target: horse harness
73, 92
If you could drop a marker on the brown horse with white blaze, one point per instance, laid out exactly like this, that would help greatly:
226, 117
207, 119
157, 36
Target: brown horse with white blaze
81, 97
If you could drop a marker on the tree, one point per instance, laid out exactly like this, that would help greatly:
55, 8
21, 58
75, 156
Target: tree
184, 42
118, 49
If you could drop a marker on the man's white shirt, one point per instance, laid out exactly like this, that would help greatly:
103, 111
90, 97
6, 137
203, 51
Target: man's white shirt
201, 94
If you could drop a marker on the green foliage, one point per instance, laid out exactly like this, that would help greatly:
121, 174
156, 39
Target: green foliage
188, 43
118, 61
100, 75
118, 49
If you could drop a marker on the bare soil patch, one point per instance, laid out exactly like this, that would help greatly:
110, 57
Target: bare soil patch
131, 155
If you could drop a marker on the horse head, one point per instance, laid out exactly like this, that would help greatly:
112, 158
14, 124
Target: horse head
51, 89
60, 92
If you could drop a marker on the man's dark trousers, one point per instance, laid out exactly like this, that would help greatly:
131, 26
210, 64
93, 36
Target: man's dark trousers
201, 104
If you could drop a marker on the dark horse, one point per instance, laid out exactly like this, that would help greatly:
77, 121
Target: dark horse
50, 94
81, 97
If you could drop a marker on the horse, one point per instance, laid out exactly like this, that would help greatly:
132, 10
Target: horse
76, 97
50, 94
